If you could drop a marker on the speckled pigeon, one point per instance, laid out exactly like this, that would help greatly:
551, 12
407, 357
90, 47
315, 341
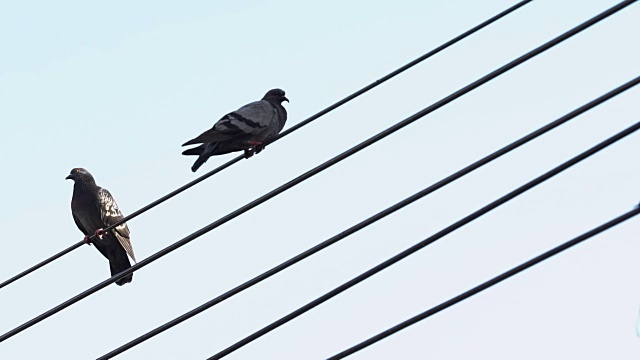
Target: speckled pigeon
93, 208
247, 128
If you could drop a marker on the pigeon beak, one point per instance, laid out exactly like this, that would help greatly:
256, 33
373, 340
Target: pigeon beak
284, 98
70, 177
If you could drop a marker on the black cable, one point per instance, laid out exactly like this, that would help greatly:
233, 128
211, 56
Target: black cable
449, 229
361, 225
319, 168
409, 65
488, 283
123, 220
42, 263
283, 134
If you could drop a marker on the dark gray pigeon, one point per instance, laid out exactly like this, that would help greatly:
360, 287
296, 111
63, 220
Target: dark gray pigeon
247, 128
93, 208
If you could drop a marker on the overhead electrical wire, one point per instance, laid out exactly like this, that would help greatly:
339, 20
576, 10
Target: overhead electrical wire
283, 134
321, 167
380, 215
489, 283
421, 245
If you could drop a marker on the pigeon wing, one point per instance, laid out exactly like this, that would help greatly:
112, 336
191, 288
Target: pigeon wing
110, 214
250, 119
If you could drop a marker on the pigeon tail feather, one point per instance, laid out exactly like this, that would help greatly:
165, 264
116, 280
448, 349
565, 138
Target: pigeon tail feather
199, 162
208, 150
208, 137
119, 262
194, 151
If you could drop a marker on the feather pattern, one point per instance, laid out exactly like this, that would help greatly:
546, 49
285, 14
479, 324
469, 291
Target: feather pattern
110, 214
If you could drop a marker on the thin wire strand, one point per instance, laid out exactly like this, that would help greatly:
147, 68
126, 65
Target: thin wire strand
283, 134
318, 169
123, 220
449, 229
361, 225
488, 284
409, 65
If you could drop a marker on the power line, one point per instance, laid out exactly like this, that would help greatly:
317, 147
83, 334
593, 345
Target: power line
449, 179
449, 229
488, 284
320, 167
283, 134
123, 220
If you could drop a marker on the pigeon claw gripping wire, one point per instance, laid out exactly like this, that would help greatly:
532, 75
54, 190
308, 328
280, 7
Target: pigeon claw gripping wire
98, 234
256, 147
301, 124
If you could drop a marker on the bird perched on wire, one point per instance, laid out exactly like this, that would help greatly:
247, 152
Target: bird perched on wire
93, 208
248, 128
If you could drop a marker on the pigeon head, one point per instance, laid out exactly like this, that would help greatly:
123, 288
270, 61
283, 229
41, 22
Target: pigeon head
275, 95
80, 175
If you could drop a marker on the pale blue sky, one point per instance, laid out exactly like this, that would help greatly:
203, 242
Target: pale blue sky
117, 87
